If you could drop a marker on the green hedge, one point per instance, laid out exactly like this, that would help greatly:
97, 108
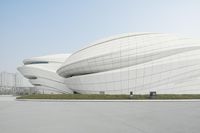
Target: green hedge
101, 96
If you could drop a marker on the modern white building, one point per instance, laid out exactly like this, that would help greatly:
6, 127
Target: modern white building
41, 72
134, 62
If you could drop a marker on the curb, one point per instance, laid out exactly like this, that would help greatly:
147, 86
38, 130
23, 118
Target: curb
75, 100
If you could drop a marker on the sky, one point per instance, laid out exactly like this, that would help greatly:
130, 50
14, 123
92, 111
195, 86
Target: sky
31, 28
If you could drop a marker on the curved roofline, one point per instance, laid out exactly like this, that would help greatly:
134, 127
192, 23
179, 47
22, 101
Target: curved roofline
115, 37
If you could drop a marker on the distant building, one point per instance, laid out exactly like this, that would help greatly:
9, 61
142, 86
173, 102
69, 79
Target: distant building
13, 83
10, 79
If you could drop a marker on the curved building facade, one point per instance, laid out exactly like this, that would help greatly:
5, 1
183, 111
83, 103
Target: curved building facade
135, 62
41, 72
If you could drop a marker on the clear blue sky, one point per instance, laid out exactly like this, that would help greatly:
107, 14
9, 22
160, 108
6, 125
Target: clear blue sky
39, 27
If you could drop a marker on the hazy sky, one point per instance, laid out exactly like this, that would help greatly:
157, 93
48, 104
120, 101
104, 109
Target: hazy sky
39, 27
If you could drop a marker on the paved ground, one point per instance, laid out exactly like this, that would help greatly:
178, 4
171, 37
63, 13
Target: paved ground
99, 117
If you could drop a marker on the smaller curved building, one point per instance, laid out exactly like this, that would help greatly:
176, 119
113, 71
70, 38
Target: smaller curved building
41, 72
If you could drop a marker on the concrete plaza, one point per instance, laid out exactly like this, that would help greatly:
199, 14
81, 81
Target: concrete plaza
99, 117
